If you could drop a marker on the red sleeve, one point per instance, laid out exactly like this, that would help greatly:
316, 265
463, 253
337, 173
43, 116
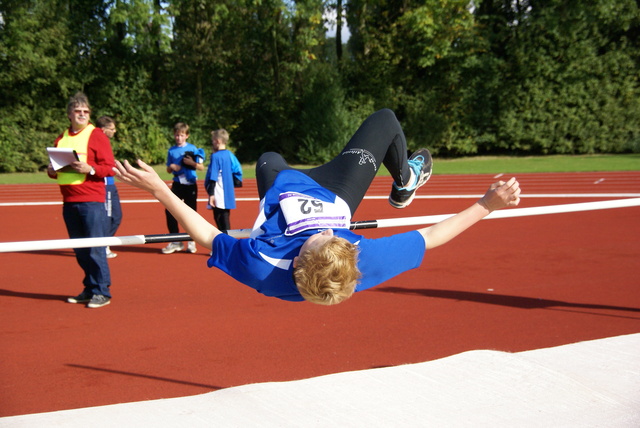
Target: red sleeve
55, 143
100, 154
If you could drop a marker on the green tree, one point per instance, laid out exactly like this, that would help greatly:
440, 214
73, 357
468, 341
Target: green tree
36, 57
570, 77
133, 79
523, 76
411, 56
257, 65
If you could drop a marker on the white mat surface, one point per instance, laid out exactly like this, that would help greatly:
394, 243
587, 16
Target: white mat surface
587, 384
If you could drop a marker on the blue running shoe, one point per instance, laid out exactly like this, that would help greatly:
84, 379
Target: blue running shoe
421, 164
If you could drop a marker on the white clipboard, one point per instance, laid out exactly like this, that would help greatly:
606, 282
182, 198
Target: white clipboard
60, 157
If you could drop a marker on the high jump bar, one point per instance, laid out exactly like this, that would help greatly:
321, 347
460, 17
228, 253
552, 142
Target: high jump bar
56, 244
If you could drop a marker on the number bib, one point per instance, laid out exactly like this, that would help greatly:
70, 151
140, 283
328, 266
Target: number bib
303, 212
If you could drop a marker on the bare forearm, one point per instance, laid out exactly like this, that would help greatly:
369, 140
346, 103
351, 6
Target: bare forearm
500, 195
446, 230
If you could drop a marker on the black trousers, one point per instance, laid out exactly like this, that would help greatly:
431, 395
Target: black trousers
378, 141
189, 194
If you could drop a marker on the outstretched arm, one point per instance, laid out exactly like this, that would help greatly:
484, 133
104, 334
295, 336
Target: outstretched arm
200, 230
499, 195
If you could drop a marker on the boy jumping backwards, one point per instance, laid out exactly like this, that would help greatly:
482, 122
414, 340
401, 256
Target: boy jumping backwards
301, 247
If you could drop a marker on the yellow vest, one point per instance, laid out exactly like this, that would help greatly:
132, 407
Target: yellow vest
80, 143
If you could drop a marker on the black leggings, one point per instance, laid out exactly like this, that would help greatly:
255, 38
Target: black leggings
379, 140
222, 218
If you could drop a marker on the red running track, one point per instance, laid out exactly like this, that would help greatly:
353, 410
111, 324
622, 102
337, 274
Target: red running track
176, 328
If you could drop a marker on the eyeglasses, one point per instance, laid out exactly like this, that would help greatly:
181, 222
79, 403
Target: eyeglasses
78, 111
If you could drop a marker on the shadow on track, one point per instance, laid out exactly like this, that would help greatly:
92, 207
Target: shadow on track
505, 300
162, 379
36, 296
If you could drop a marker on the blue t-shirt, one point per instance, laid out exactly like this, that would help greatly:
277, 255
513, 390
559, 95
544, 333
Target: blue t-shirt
175, 155
223, 167
265, 262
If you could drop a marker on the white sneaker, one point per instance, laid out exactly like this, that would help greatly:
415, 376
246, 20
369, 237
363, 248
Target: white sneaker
191, 247
173, 247
111, 254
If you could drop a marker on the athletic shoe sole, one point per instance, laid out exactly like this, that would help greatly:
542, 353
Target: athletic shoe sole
171, 251
74, 300
425, 175
98, 305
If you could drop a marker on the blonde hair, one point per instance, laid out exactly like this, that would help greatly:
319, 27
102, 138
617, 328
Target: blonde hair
181, 127
222, 135
328, 275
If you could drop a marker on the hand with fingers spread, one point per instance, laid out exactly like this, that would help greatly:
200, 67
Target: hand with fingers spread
501, 195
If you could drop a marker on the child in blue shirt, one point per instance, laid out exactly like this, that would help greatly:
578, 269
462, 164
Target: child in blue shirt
223, 175
183, 160
300, 246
